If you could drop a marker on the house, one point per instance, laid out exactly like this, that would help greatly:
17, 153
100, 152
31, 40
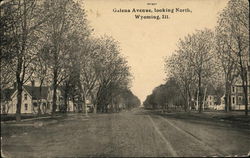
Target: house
6, 99
29, 101
213, 99
237, 96
210, 102
221, 106
32, 96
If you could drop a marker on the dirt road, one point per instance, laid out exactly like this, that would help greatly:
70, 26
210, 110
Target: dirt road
134, 133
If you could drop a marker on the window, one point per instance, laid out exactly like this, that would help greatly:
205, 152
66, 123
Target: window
233, 89
240, 100
240, 89
25, 96
26, 106
233, 100
35, 104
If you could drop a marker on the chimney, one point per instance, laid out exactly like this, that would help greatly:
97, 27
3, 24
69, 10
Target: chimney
33, 83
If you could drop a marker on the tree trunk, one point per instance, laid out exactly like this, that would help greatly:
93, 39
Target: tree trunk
230, 100
246, 100
190, 101
187, 101
19, 86
204, 98
19, 101
85, 104
227, 101
40, 100
74, 104
246, 95
66, 98
55, 76
199, 95
93, 102
54, 106
2, 107
95, 108
227, 95
197, 100
65, 107
245, 87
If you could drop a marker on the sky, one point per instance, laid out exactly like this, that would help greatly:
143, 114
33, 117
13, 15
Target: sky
145, 43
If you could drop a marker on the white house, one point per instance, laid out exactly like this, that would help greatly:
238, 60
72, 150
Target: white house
9, 101
237, 97
31, 97
211, 102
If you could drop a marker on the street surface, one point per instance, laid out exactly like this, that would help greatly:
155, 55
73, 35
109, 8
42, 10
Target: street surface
134, 133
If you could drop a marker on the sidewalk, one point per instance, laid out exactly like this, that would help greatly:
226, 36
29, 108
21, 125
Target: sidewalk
234, 115
33, 122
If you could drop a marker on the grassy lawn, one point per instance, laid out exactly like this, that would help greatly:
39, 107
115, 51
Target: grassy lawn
12, 117
236, 118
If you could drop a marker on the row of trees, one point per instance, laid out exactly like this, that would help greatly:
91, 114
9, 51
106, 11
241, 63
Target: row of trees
50, 41
215, 58
164, 96
170, 96
207, 59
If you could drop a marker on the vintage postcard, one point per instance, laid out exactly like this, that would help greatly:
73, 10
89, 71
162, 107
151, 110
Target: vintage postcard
124, 78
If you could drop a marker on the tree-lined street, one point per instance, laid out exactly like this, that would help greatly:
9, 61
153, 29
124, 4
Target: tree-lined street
133, 133
80, 78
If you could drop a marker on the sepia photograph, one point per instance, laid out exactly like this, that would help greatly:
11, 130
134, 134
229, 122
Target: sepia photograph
124, 78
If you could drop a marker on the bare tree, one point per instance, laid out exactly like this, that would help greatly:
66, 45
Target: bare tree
178, 67
114, 73
41, 74
193, 62
199, 46
89, 72
24, 22
234, 23
103, 72
67, 21
8, 45
227, 60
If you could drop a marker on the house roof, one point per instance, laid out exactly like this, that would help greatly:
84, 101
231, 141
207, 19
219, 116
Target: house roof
6, 94
211, 90
35, 92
